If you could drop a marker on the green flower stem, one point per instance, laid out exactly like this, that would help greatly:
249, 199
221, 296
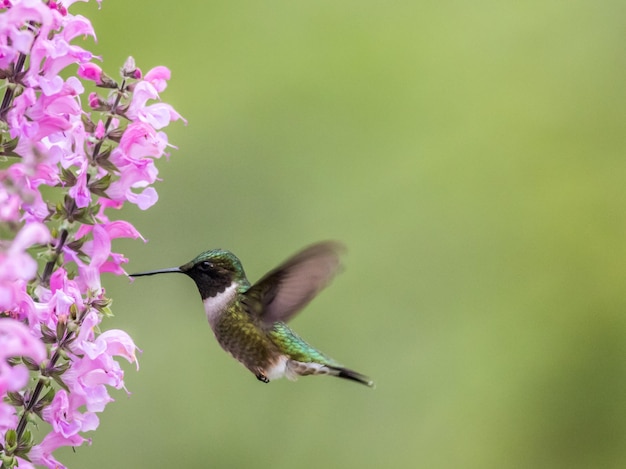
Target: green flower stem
10, 92
107, 124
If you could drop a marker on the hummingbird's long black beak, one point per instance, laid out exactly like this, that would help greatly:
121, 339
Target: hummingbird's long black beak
161, 271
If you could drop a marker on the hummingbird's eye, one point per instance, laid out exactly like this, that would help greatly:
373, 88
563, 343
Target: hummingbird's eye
205, 266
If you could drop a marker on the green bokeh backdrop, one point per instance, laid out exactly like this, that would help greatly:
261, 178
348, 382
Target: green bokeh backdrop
472, 157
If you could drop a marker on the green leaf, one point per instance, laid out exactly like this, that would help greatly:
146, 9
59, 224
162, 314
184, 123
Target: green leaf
60, 382
61, 328
68, 178
73, 311
76, 245
59, 369
49, 337
8, 461
15, 399
90, 127
30, 364
107, 82
100, 186
116, 134
10, 441
13, 361
25, 444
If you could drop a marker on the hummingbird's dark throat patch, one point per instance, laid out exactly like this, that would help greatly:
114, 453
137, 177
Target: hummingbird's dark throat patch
211, 284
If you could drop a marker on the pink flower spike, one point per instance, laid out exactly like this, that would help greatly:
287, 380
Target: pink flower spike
90, 71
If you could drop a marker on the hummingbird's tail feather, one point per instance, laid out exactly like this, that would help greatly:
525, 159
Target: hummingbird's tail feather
351, 375
294, 368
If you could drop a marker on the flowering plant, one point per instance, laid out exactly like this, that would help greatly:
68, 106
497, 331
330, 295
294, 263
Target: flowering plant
62, 169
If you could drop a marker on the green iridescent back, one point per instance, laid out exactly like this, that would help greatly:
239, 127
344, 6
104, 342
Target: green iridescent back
296, 347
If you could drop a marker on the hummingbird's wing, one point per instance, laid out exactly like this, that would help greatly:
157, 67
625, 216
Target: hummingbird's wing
287, 289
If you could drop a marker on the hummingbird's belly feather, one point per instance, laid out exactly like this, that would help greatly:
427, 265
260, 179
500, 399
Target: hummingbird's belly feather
245, 340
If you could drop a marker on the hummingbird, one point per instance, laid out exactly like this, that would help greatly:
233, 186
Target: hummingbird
249, 321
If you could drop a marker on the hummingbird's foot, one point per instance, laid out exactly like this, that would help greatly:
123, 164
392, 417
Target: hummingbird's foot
262, 377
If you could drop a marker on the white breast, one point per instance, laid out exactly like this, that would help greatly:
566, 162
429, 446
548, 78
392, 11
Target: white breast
214, 305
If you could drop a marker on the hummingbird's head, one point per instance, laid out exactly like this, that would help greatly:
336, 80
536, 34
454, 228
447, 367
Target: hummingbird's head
214, 271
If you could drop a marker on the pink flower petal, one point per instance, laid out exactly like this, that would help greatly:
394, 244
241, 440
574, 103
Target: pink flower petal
158, 77
16, 340
32, 233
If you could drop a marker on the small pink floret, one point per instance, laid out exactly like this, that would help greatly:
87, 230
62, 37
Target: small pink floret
90, 71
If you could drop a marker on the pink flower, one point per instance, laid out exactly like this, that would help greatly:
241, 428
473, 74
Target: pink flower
140, 140
8, 417
77, 26
12, 32
90, 71
121, 229
99, 250
10, 204
100, 130
89, 375
16, 264
51, 85
94, 101
65, 418
42, 453
51, 55
158, 77
118, 343
80, 192
135, 177
54, 303
158, 115
17, 341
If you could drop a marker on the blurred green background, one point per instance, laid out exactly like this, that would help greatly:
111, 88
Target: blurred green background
472, 157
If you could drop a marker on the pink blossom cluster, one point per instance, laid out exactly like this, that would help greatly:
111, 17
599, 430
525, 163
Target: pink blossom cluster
92, 153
